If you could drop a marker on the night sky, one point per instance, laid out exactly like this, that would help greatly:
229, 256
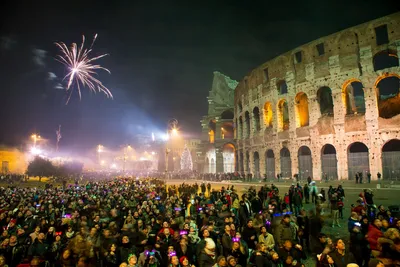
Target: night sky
162, 58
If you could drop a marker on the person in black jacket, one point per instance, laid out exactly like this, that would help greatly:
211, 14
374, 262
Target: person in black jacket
249, 235
340, 256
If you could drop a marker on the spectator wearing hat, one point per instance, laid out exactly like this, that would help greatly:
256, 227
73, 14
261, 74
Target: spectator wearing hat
208, 255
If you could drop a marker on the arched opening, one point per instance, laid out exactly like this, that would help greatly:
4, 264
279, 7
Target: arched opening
386, 59
325, 101
240, 134
329, 162
282, 87
256, 118
228, 154
241, 161
388, 91
270, 164
283, 115
354, 97
390, 160
247, 162
227, 115
247, 124
212, 166
227, 130
286, 163
301, 101
268, 114
305, 163
358, 160
207, 166
256, 165
240, 107
211, 131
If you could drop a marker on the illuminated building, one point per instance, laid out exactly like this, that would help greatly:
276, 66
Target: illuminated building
329, 108
12, 161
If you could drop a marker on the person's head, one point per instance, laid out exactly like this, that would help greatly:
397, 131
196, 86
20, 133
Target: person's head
166, 232
132, 259
286, 218
37, 229
221, 261
263, 229
206, 233
227, 228
174, 260
385, 223
125, 239
231, 261
288, 245
340, 245
2, 260
184, 261
13, 240
250, 223
113, 248
41, 237
274, 256
235, 245
377, 223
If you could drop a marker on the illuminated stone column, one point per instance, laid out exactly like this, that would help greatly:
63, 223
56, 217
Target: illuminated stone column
314, 110
251, 162
218, 126
294, 159
277, 160
316, 161
342, 165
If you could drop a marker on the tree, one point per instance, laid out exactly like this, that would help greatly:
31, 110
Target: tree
40, 167
186, 160
72, 168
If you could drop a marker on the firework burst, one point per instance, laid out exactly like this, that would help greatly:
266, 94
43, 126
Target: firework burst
81, 68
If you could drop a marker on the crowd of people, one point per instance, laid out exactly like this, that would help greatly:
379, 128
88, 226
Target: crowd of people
144, 223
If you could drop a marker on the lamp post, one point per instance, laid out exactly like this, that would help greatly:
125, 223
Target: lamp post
35, 138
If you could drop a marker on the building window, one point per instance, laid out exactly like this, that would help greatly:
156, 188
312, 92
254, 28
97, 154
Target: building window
282, 87
320, 49
381, 34
298, 56
266, 75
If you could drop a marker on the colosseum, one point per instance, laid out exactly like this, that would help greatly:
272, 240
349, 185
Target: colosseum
328, 109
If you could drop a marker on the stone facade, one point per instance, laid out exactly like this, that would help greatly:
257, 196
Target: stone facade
216, 152
328, 108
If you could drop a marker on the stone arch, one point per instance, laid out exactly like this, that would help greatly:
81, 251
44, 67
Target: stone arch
301, 101
390, 160
305, 162
388, 94
325, 100
282, 87
227, 115
283, 115
227, 130
329, 162
385, 59
357, 159
228, 154
286, 163
353, 96
247, 124
268, 114
270, 164
212, 127
256, 160
256, 119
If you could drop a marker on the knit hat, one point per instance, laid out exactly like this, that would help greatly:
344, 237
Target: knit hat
219, 259
182, 259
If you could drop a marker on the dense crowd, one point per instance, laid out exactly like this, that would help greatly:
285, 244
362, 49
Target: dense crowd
144, 223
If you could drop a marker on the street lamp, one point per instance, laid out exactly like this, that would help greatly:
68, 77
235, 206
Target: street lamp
35, 138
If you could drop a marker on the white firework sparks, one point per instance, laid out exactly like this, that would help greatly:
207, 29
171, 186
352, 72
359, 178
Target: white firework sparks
81, 68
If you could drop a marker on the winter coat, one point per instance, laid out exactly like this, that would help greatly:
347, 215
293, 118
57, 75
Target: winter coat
283, 232
373, 234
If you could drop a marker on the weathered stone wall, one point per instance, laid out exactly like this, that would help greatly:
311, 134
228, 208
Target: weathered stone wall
347, 56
